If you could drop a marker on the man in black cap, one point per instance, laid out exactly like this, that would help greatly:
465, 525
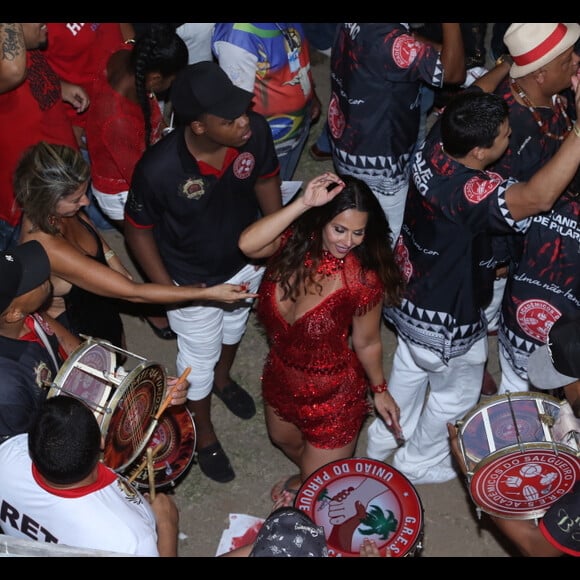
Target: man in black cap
551, 366
191, 196
32, 347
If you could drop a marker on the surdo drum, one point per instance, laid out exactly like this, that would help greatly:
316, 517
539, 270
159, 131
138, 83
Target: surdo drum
124, 402
174, 442
358, 498
521, 453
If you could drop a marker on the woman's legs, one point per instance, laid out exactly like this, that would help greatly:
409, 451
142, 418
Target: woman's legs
290, 440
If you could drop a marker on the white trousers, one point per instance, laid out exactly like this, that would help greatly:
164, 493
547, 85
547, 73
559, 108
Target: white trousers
430, 395
394, 208
510, 380
494, 307
111, 204
202, 329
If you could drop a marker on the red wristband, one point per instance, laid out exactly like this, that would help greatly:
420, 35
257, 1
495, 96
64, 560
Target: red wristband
379, 388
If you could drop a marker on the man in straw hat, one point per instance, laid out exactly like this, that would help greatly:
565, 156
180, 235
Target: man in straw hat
539, 268
553, 365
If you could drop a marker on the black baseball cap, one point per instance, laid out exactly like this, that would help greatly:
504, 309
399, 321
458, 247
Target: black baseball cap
204, 87
22, 269
557, 363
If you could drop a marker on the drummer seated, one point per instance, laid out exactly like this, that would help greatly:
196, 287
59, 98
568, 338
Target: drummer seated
33, 345
54, 489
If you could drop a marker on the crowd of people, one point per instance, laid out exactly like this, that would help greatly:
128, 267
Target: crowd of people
181, 137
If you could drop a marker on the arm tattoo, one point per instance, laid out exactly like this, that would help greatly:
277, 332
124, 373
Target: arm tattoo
11, 41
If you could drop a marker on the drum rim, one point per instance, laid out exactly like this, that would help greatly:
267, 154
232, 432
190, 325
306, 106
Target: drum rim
121, 390
68, 366
413, 494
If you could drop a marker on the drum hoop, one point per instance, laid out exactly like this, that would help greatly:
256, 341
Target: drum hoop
150, 425
123, 387
312, 496
186, 430
541, 446
520, 395
491, 404
554, 448
68, 366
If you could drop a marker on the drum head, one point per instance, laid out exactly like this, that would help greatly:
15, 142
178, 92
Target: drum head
92, 389
496, 424
358, 498
516, 484
175, 432
130, 421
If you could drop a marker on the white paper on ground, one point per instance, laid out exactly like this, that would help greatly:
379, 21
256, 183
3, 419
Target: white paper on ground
242, 530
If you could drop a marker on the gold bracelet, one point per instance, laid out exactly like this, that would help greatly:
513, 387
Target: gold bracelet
109, 255
504, 58
379, 388
576, 129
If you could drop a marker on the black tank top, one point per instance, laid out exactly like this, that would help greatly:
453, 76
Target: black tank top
90, 314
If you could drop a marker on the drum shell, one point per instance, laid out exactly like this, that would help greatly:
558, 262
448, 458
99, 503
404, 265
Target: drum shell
124, 403
516, 466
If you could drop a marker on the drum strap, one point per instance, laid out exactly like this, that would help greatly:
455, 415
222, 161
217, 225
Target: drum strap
42, 335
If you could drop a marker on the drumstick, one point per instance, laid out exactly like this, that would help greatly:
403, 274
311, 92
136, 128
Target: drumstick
151, 473
167, 401
143, 464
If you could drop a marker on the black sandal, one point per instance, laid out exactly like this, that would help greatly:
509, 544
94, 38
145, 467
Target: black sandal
164, 333
214, 463
237, 400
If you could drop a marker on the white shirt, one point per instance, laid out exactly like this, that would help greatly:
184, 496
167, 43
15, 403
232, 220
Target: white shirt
108, 515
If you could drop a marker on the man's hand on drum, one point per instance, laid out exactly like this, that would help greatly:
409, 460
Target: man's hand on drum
178, 390
455, 450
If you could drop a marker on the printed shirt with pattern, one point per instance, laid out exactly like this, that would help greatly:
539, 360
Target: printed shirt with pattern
374, 112
544, 281
444, 250
281, 94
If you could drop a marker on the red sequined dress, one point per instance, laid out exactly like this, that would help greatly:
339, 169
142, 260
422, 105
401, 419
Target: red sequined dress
312, 378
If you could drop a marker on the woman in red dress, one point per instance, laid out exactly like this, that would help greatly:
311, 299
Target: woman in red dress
330, 270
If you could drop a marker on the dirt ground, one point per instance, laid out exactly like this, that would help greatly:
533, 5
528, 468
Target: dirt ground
450, 524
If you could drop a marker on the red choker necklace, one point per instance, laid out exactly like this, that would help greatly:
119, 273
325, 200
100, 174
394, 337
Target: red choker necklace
542, 124
328, 265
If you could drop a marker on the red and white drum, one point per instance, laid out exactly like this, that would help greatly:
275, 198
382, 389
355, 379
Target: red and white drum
174, 439
358, 498
516, 467
124, 402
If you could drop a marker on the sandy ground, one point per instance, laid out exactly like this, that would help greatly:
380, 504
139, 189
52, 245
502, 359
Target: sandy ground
450, 525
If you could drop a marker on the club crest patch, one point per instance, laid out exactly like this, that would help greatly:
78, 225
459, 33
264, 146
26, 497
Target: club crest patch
536, 317
477, 189
244, 165
405, 51
193, 188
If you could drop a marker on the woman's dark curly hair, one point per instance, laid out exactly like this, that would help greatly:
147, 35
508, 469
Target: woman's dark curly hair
288, 266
